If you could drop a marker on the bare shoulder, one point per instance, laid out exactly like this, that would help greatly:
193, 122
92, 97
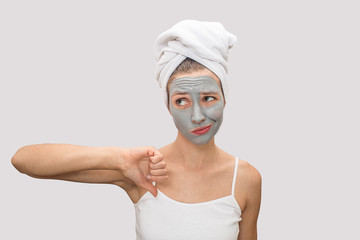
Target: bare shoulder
248, 184
248, 174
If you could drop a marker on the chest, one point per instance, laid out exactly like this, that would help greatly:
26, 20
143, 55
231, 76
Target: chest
195, 187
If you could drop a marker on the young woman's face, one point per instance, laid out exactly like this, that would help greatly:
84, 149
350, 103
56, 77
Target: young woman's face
196, 104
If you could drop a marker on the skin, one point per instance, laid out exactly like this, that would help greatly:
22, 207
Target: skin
175, 168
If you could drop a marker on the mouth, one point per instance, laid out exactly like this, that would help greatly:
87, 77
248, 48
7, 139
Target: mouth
201, 130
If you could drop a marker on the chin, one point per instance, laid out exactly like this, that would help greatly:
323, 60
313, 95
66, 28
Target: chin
199, 140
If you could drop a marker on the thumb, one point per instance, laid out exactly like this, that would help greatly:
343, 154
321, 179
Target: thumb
151, 188
144, 152
151, 151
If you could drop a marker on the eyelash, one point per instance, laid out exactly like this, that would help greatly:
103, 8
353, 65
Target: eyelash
178, 101
213, 98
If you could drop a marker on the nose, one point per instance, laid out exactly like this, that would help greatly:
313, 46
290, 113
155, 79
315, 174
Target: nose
197, 114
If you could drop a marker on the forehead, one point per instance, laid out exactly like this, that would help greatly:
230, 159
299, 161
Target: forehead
194, 84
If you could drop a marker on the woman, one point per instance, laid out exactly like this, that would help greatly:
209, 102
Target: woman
189, 189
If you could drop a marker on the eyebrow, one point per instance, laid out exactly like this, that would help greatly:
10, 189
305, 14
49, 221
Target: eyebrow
202, 93
209, 93
180, 93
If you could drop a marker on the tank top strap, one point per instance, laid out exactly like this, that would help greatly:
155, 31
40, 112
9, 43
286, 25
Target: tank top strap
234, 177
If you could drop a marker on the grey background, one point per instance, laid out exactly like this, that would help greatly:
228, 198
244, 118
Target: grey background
82, 72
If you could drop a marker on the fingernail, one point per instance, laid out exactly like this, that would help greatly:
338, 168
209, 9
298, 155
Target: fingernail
148, 177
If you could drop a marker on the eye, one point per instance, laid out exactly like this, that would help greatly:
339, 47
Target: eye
208, 98
181, 101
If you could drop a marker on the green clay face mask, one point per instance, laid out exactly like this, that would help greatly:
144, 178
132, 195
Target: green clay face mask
196, 105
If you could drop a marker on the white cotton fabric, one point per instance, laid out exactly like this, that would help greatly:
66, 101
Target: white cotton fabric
205, 42
162, 218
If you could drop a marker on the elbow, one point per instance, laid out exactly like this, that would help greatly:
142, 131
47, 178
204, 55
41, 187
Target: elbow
18, 160
23, 161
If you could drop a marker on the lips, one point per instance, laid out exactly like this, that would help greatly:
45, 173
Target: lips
201, 130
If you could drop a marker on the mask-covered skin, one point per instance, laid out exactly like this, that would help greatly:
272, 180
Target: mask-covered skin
196, 102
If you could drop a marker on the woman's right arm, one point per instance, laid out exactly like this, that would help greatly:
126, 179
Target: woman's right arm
122, 166
50, 160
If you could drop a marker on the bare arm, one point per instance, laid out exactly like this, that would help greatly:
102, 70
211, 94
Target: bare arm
50, 160
248, 224
121, 166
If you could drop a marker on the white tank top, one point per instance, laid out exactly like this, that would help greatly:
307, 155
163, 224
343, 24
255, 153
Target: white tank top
163, 218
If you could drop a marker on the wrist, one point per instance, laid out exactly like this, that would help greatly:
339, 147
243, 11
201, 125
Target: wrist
115, 157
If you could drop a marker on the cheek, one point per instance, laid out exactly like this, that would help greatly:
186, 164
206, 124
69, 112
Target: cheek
215, 112
181, 117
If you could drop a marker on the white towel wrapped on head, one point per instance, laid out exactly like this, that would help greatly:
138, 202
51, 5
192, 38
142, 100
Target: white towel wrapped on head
205, 42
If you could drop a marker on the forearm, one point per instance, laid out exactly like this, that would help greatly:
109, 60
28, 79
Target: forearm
46, 160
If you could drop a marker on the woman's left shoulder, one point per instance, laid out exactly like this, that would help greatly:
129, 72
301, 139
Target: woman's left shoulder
248, 172
248, 184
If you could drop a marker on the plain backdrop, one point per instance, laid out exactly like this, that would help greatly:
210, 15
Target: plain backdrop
82, 72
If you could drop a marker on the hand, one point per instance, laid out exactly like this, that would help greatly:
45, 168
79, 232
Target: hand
142, 165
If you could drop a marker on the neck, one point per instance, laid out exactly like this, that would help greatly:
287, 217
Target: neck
192, 156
